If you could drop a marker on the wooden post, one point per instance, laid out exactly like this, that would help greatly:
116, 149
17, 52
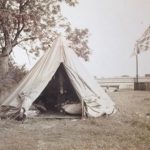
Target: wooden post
83, 109
137, 68
137, 74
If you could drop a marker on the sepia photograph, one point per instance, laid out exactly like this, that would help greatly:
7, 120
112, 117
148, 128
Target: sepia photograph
74, 75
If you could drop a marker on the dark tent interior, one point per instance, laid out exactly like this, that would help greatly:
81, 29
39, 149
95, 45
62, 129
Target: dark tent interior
57, 93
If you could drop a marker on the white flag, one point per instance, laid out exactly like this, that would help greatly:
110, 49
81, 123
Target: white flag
143, 44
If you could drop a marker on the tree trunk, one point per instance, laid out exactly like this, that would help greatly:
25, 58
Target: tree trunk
6, 50
3, 65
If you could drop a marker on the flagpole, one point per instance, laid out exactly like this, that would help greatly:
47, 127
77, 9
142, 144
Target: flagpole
137, 69
143, 44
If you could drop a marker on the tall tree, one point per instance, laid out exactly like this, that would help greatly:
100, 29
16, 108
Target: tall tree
33, 24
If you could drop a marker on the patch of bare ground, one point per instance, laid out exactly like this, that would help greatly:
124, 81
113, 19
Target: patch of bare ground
128, 129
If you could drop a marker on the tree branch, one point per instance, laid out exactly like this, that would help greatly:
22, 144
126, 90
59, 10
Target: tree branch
25, 39
18, 24
1, 44
4, 3
25, 3
19, 29
14, 42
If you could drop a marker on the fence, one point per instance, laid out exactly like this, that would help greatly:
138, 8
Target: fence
145, 86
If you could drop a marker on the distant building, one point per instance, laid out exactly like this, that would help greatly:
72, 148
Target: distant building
147, 75
116, 83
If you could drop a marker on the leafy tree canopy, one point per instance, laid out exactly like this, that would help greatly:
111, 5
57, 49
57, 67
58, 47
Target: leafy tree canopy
34, 24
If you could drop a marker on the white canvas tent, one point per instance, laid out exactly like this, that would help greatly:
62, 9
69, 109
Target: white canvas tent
94, 100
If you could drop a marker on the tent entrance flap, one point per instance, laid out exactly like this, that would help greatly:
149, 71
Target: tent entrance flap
57, 94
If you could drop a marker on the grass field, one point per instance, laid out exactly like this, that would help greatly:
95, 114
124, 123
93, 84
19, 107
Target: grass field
128, 129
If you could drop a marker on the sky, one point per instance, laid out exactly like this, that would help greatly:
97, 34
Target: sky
114, 27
